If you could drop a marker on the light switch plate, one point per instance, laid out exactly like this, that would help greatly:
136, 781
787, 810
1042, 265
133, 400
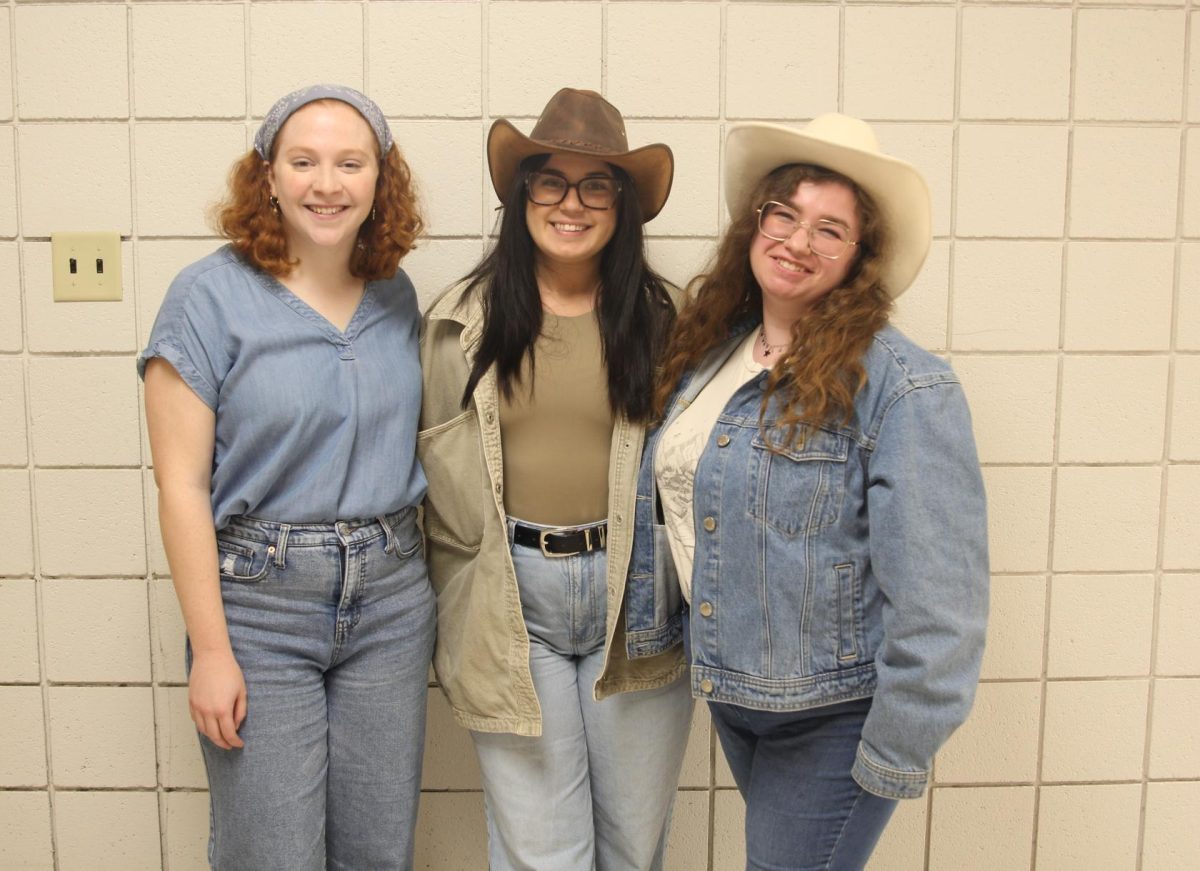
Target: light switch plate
87, 266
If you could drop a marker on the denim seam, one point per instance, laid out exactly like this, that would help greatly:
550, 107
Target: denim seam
903, 391
911, 776
845, 824
887, 771
212, 811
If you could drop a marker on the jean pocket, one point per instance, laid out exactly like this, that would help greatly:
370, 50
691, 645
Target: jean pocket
405, 541
243, 562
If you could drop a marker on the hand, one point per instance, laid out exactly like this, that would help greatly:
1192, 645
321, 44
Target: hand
217, 697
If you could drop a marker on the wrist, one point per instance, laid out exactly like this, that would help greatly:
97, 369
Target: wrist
211, 650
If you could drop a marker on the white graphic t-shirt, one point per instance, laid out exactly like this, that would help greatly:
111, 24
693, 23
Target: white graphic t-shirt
679, 451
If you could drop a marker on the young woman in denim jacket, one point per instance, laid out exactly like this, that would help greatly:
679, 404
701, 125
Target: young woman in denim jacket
816, 485
538, 383
282, 396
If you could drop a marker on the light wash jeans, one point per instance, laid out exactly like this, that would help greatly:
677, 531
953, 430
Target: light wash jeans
595, 791
333, 627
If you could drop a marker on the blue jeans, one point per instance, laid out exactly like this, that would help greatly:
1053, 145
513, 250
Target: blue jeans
804, 812
333, 627
595, 791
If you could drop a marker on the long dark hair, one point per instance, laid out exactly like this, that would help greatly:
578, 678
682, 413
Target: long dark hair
633, 308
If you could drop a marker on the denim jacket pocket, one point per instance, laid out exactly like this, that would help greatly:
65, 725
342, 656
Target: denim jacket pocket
668, 599
450, 455
243, 562
654, 604
798, 489
849, 611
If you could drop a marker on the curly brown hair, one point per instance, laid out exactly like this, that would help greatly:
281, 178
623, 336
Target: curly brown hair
245, 217
821, 371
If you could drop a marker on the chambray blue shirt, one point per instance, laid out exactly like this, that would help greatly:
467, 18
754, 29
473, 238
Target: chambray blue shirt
313, 425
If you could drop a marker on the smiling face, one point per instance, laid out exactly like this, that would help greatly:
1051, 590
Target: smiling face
323, 174
790, 275
570, 233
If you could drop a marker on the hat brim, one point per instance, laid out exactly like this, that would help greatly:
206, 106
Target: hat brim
753, 150
652, 167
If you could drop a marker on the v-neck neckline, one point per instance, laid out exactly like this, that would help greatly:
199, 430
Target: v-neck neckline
310, 314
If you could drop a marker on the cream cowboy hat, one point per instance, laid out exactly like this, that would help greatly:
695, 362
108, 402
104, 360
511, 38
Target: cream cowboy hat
846, 145
584, 123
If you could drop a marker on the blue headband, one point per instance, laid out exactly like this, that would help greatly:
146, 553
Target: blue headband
285, 107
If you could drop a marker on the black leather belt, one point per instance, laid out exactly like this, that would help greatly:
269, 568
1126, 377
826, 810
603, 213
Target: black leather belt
562, 542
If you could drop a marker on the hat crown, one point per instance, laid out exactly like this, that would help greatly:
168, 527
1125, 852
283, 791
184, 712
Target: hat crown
581, 120
839, 129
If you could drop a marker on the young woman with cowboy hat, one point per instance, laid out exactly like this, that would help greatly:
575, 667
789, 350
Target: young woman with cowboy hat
538, 383
816, 483
282, 396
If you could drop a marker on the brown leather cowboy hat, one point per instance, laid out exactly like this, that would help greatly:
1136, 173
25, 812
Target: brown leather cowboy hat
584, 123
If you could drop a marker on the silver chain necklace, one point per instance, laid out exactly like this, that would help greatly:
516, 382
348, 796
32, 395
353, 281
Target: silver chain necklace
768, 349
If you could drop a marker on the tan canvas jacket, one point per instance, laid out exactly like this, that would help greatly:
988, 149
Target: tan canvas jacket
482, 656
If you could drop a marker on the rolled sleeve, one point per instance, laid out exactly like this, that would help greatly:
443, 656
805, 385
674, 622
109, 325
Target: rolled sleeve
187, 334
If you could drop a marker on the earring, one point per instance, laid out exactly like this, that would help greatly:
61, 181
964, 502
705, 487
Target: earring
372, 213
274, 201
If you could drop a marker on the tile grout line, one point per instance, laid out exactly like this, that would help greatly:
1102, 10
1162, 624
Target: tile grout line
1165, 457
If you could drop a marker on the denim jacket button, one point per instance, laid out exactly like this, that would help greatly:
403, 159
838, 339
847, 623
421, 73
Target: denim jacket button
722, 440
706, 686
706, 609
490, 417
710, 523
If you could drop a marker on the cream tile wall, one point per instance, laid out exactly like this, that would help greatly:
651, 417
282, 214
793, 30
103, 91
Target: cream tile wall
1062, 145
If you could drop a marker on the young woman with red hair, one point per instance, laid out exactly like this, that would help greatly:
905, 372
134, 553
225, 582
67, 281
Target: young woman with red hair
282, 395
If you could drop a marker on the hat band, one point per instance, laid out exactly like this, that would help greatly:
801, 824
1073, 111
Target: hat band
582, 145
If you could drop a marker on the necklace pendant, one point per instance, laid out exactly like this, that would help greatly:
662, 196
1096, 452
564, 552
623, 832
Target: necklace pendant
767, 349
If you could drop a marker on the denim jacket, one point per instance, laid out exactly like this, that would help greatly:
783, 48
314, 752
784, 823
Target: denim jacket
852, 566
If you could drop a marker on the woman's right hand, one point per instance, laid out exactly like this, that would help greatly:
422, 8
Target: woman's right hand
217, 697
182, 439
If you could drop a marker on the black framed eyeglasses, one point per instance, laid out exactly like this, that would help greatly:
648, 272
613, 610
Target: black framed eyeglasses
827, 239
550, 189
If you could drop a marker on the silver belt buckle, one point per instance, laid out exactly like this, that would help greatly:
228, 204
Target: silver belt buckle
542, 543
590, 533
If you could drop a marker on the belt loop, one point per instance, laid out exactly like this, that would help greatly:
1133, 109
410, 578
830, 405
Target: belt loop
285, 529
390, 547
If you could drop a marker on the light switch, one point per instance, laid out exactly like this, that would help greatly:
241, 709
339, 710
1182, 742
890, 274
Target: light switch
87, 266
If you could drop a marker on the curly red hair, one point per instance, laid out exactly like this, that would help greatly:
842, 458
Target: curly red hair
822, 370
245, 217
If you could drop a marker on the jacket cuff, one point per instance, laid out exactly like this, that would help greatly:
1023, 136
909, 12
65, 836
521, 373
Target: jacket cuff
885, 781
